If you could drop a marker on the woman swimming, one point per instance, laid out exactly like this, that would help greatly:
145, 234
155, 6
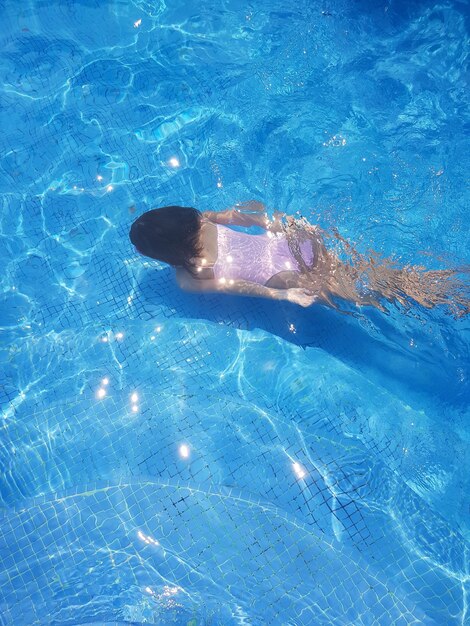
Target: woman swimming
288, 261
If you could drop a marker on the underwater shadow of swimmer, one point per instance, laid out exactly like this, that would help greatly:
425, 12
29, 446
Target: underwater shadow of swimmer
370, 342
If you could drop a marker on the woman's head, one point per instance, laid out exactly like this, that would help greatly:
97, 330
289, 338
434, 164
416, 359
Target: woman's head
169, 234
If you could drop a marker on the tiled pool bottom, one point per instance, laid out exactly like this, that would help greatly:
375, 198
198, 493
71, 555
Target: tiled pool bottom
166, 553
252, 484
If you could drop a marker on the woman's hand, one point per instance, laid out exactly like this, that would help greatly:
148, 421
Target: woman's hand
276, 224
301, 296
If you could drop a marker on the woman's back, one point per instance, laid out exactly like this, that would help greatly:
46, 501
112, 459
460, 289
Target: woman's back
254, 258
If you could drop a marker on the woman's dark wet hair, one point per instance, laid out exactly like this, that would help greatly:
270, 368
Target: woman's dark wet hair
169, 234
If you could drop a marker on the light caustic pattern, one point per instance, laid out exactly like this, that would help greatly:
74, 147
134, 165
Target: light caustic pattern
171, 458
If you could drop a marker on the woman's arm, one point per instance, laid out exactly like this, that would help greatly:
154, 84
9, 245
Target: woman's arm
241, 288
238, 216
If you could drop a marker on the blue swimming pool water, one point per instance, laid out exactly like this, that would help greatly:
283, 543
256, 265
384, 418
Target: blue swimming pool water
179, 459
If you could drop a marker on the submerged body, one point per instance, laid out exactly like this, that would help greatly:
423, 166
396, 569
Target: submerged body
288, 261
261, 265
